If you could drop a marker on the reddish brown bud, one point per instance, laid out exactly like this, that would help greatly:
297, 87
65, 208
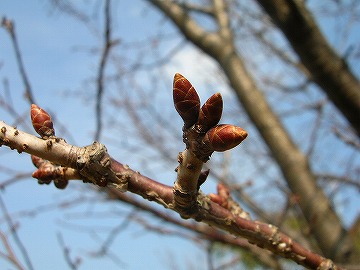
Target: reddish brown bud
223, 191
37, 161
222, 196
224, 137
41, 121
216, 198
61, 183
186, 100
44, 174
210, 113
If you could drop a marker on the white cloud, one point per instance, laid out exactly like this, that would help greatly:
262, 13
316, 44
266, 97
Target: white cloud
201, 70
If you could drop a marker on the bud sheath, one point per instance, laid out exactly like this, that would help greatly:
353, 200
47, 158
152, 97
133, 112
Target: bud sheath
41, 121
224, 137
186, 100
210, 113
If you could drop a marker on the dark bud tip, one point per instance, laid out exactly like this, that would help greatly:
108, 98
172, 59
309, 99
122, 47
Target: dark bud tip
224, 137
41, 122
202, 177
210, 113
186, 100
61, 183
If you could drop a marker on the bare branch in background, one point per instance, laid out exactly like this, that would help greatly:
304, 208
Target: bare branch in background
73, 264
108, 43
10, 27
13, 228
328, 69
9, 255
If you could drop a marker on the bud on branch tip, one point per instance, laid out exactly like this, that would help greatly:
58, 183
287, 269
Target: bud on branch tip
224, 137
41, 121
210, 113
186, 100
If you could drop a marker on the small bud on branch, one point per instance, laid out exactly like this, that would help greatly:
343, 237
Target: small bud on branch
38, 162
210, 113
41, 122
186, 100
224, 137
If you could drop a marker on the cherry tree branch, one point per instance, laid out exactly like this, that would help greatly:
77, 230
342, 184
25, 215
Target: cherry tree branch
329, 232
93, 164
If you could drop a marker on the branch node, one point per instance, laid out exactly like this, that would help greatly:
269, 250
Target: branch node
94, 166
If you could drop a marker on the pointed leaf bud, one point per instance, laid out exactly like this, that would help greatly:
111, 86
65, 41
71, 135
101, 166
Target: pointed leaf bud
41, 122
44, 174
37, 161
224, 137
186, 100
202, 177
210, 113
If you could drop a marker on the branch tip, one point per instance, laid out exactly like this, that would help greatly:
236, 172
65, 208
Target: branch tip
186, 100
41, 122
210, 113
224, 137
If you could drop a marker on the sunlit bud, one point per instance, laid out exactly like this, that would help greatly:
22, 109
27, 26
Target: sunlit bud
224, 137
210, 113
186, 100
37, 161
44, 174
41, 121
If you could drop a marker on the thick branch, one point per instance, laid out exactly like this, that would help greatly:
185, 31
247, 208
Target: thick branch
263, 235
328, 69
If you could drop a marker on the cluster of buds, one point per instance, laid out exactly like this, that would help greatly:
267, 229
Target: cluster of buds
91, 163
48, 172
223, 198
201, 133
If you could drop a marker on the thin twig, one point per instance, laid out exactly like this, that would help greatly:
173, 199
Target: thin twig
10, 27
101, 71
16, 237
66, 251
10, 256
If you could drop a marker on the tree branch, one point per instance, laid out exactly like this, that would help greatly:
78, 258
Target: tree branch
263, 235
104, 57
328, 69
